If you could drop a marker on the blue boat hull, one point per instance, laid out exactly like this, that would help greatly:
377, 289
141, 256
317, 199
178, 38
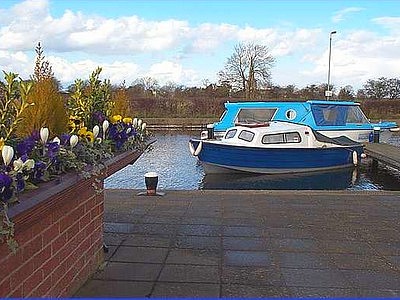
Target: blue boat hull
217, 158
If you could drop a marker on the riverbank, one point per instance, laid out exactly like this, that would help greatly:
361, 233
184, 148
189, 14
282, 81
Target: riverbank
179, 121
205, 121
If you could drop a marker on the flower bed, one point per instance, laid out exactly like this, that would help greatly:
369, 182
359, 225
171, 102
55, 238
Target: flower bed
59, 229
56, 150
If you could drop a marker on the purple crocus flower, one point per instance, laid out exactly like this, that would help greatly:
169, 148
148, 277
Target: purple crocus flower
35, 135
26, 146
52, 149
20, 182
6, 190
99, 117
38, 171
64, 139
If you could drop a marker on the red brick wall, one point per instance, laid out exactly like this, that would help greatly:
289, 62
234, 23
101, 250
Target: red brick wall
59, 228
60, 245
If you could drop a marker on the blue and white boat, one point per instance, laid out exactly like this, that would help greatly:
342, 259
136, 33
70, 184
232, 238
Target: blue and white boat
275, 148
331, 118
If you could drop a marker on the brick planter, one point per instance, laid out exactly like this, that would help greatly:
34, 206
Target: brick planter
59, 229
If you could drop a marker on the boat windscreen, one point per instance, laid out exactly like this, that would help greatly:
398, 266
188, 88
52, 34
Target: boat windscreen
337, 115
255, 115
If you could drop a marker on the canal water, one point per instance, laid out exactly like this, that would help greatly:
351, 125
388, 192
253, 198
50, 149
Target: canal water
169, 156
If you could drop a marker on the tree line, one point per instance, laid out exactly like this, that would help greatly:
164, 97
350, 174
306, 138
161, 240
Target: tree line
245, 76
373, 89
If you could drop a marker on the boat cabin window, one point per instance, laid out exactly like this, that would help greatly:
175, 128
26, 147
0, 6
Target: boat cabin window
337, 115
223, 115
255, 115
230, 133
273, 139
280, 138
292, 137
290, 114
246, 135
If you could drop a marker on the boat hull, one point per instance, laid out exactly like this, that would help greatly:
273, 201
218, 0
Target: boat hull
224, 158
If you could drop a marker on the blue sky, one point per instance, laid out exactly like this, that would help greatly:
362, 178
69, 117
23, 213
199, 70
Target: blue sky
186, 42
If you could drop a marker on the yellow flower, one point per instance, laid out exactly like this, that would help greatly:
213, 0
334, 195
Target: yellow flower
71, 126
85, 134
82, 131
89, 136
127, 120
116, 118
75, 120
74, 123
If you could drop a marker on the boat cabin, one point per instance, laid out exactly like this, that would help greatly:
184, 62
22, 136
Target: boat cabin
328, 117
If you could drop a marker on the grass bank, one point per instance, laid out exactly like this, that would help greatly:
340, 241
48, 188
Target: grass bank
203, 121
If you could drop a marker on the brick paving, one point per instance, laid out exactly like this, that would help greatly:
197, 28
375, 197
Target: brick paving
250, 244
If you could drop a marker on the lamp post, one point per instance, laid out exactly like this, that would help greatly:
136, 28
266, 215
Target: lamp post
328, 92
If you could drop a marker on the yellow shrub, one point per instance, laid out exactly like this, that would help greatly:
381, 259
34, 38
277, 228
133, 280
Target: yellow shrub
121, 101
48, 109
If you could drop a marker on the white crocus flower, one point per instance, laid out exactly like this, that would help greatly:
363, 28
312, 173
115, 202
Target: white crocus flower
18, 165
44, 134
96, 130
29, 164
73, 140
128, 130
134, 123
57, 140
7, 153
105, 127
139, 123
144, 126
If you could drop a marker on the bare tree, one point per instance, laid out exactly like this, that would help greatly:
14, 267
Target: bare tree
376, 89
148, 84
248, 69
43, 69
393, 86
346, 93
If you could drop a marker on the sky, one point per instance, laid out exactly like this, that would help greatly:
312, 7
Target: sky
188, 42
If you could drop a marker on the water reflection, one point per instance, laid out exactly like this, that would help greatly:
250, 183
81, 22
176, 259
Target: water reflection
328, 180
381, 176
178, 170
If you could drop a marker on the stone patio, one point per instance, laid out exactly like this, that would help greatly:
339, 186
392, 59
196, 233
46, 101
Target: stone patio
250, 244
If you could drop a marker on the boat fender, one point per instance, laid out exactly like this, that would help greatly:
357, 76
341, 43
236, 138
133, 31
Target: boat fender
195, 152
355, 158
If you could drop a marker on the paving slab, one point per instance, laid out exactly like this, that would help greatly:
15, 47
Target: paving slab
250, 244
173, 289
101, 288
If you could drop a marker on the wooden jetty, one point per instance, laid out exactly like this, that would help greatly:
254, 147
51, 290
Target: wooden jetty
385, 153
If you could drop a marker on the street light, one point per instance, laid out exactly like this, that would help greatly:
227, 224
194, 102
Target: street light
328, 93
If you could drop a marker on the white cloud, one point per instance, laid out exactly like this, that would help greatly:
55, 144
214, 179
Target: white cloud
392, 23
30, 22
168, 71
281, 42
341, 14
130, 47
357, 57
16, 62
208, 37
117, 71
